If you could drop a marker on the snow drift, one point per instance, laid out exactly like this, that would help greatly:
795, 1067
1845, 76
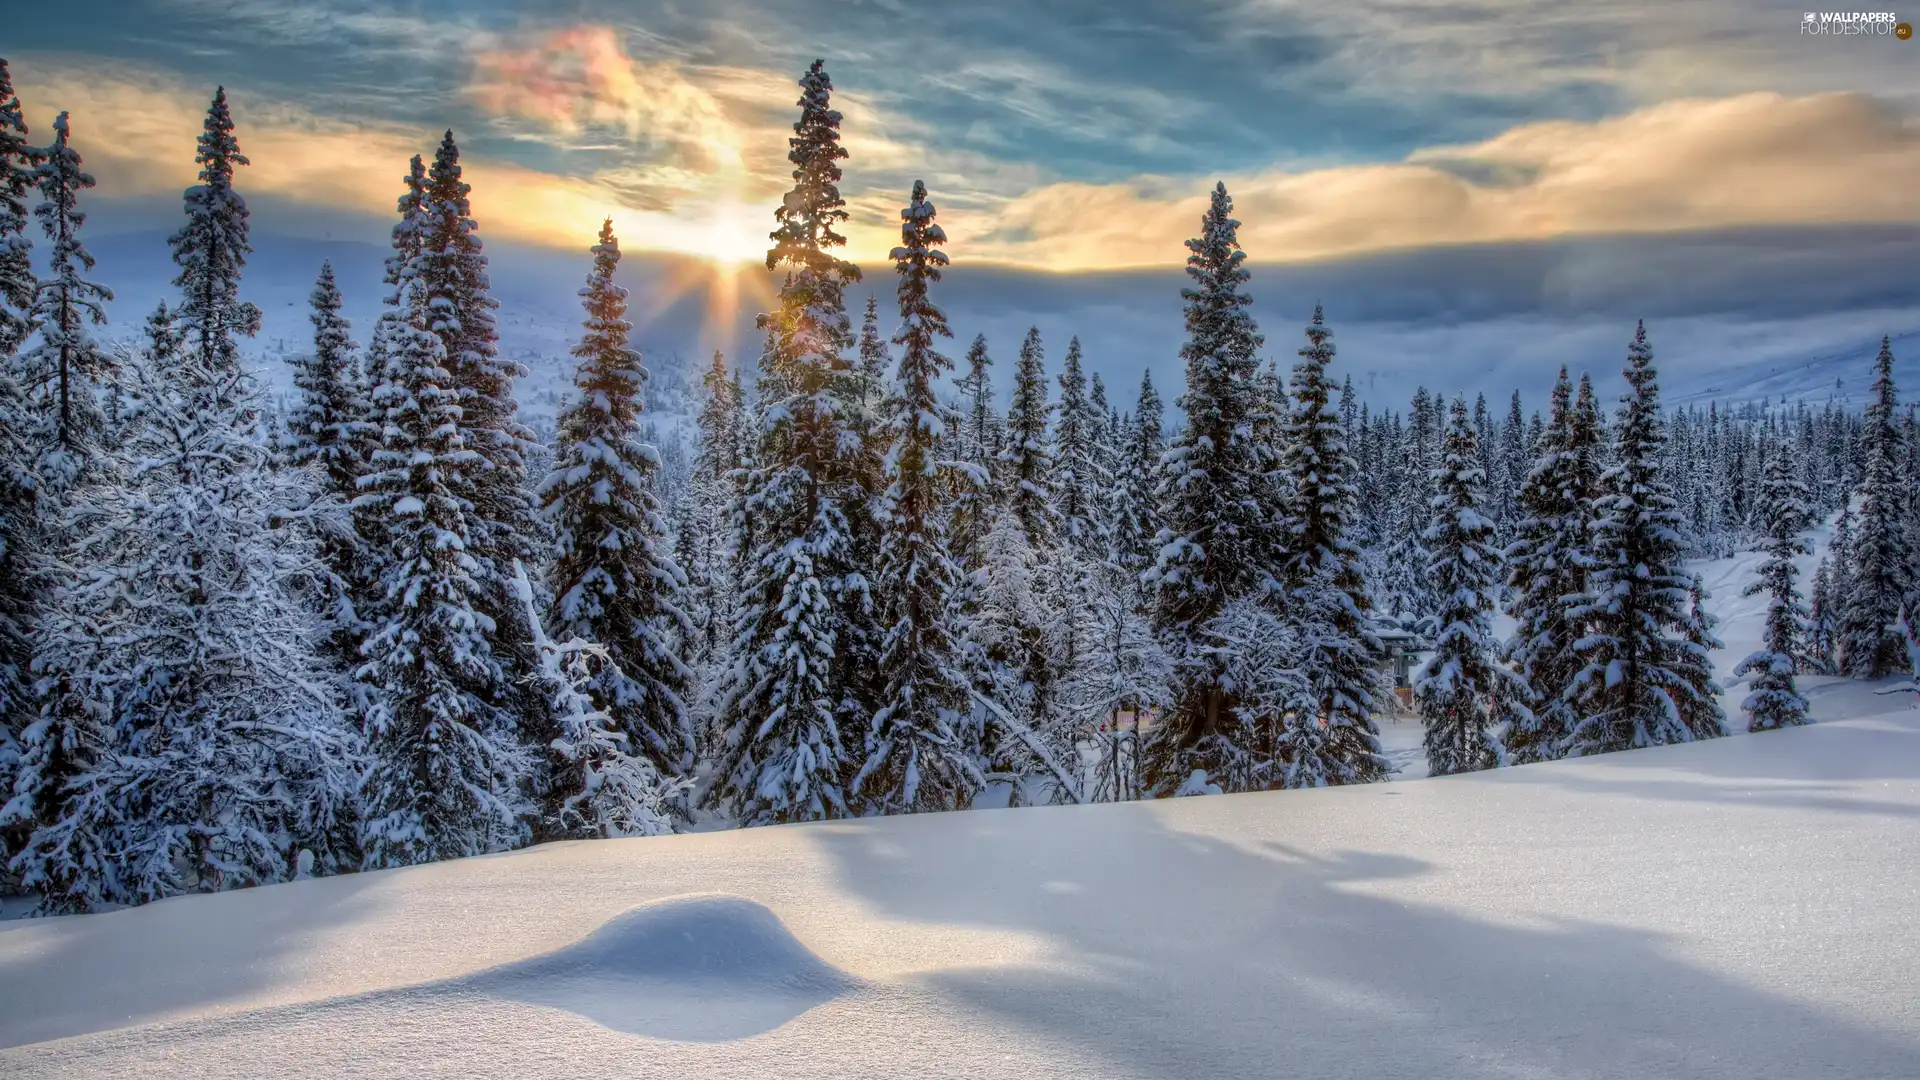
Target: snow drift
1735, 909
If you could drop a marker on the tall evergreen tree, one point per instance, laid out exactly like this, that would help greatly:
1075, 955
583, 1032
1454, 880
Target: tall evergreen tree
449, 769
1822, 626
1548, 563
924, 752
452, 267
785, 756
614, 582
1463, 694
710, 569
326, 420
1630, 691
1136, 521
977, 450
871, 375
1214, 531
212, 248
1775, 701
18, 164
1698, 699
1880, 571
199, 742
19, 488
1321, 555
62, 369
1515, 462
1077, 474
1025, 456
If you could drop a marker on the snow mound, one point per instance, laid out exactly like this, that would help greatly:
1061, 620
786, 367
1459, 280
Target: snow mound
702, 968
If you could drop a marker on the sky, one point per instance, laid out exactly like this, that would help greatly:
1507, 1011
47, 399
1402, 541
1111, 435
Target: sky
1511, 157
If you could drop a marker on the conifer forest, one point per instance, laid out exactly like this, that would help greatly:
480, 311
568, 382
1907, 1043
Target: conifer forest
886, 569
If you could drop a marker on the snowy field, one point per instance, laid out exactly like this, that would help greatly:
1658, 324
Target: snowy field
1738, 909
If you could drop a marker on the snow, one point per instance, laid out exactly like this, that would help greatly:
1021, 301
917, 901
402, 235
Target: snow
1737, 909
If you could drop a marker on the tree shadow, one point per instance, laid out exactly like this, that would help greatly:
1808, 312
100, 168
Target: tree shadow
180, 953
1184, 955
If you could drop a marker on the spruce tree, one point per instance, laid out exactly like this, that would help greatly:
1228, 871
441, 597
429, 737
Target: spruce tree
20, 565
212, 248
18, 162
327, 420
1698, 697
871, 375
712, 489
804, 598
1214, 529
1516, 462
1880, 571
614, 582
1463, 693
452, 267
1320, 555
60, 371
924, 750
1822, 626
1077, 474
19, 488
976, 450
201, 743
449, 769
1775, 701
1411, 488
1630, 692
1026, 458
1136, 519
1548, 562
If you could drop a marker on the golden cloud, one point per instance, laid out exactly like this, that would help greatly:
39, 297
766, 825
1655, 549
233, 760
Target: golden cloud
1754, 159
581, 76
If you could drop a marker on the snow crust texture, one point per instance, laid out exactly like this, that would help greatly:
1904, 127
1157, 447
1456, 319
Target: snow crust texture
1738, 909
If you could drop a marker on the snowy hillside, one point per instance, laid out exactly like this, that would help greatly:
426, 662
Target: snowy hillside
1736, 909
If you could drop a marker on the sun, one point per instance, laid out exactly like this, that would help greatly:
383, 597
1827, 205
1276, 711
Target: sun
728, 235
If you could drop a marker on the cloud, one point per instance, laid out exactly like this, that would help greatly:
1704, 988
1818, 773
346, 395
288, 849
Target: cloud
1754, 159
580, 76
136, 134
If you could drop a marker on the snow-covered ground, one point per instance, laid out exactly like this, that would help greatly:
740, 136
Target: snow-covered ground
1738, 909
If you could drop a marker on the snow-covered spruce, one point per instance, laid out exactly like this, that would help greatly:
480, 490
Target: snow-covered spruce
18, 160
702, 546
1775, 701
924, 749
327, 419
1548, 561
1320, 556
783, 754
1464, 695
1216, 526
60, 372
450, 771
1133, 509
452, 267
212, 248
614, 582
976, 447
1880, 570
1026, 454
20, 570
609, 790
1078, 476
190, 738
1636, 687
